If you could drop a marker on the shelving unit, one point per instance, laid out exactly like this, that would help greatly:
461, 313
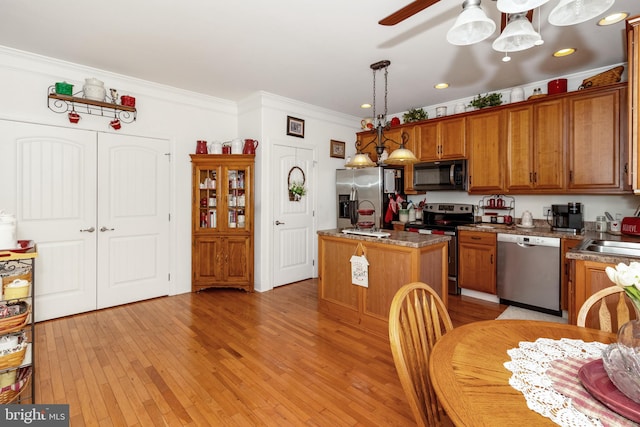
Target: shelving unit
497, 205
18, 265
64, 103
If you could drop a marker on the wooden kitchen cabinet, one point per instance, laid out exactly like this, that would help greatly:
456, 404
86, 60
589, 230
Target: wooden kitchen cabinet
535, 147
633, 102
222, 221
441, 139
485, 133
565, 270
594, 146
477, 261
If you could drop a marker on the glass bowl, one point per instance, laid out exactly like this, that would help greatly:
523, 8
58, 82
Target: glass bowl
621, 360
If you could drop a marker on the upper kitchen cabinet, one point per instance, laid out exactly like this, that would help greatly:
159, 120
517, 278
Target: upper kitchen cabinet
485, 131
595, 151
441, 139
534, 146
633, 71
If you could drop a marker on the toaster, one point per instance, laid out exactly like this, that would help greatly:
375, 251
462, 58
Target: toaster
631, 225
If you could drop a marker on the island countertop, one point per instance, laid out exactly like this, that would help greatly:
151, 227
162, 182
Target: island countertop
398, 238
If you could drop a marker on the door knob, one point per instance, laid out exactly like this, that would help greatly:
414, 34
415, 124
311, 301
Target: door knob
103, 229
279, 223
88, 230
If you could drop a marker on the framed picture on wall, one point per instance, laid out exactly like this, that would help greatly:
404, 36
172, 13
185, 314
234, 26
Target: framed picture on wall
337, 149
295, 127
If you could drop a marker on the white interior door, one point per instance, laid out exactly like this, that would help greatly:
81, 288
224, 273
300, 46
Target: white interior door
133, 219
293, 220
49, 182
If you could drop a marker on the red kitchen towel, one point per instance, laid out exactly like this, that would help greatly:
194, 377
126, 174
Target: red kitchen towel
564, 376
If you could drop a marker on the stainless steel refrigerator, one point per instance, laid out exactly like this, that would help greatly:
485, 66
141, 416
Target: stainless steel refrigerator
367, 188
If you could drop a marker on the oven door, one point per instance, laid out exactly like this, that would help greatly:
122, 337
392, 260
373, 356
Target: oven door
453, 256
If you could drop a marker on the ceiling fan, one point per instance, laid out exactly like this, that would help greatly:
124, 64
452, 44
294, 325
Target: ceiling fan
419, 5
407, 12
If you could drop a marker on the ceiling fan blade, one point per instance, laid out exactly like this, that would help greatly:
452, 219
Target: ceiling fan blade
407, 11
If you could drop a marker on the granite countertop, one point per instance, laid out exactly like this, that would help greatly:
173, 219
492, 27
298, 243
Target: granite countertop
398, 238
544, 230
540, 228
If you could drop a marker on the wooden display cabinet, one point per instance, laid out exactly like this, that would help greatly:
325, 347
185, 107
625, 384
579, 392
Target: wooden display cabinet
222, 221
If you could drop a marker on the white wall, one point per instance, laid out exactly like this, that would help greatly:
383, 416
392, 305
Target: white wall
321, 126
163, 112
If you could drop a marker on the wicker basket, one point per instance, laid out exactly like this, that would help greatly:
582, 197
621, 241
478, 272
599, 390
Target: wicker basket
11, 393
605, 78
13, 360
17, 322
10, 292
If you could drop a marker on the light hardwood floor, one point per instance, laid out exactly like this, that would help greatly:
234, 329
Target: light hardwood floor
224, 358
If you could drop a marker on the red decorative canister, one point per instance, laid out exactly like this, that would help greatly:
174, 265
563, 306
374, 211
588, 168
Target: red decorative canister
557, 86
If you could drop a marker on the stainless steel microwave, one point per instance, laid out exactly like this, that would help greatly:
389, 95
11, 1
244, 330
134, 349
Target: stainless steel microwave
445, 175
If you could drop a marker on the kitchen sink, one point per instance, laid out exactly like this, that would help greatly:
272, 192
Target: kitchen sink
611, 247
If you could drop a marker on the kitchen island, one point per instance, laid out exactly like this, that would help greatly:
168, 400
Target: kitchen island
393, 261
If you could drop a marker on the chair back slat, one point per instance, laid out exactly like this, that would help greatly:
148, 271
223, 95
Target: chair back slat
611, 313
417, 320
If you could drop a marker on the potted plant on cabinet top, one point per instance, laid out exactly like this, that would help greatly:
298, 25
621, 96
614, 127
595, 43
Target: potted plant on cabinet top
415, 115
488, 100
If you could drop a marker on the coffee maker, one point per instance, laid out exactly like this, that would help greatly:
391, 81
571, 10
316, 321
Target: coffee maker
568, 217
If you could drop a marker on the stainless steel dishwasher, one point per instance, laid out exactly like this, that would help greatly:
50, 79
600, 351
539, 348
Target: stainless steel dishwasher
529, 272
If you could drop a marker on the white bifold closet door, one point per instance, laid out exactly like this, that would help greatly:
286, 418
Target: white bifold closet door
97, 206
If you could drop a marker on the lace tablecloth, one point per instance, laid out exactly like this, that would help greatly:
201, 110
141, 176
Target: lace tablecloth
529, 365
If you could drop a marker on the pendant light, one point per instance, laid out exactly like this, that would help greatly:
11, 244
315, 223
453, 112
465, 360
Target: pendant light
517, 35
571, 12
400, 156
471, 26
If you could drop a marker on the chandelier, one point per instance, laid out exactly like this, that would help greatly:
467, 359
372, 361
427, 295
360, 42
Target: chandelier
473, 25
400, 156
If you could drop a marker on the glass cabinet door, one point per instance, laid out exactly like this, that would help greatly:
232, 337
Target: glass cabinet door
236, 198
208, 197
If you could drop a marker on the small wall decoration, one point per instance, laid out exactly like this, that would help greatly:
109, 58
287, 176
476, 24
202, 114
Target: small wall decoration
337, 149
360, 267
295, 127
296, 188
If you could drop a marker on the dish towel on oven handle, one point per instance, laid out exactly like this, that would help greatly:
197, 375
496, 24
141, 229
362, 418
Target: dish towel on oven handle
529, 364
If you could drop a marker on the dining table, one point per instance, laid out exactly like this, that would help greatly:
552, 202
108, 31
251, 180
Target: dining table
469, 376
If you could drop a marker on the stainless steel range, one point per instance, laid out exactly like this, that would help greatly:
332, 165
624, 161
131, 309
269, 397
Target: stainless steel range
444, 218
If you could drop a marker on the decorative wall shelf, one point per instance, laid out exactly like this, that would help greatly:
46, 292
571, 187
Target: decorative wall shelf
64, 103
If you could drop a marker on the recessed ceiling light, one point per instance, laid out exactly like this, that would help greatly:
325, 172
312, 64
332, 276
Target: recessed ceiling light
564, 52
613, 18
441, 85
365, 106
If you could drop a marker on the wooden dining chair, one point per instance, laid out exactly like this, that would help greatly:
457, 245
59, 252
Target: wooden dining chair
417, 319
605, 320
